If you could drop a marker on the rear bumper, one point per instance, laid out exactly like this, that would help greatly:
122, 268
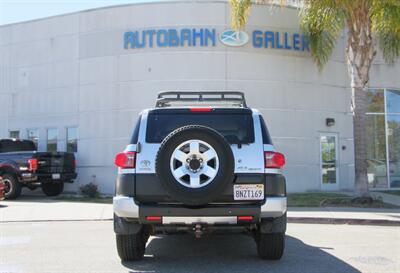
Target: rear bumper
147, 188
47, 177
125, 207
274, 207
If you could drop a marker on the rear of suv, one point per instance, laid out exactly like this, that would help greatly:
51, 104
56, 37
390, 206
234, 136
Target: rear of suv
200, 162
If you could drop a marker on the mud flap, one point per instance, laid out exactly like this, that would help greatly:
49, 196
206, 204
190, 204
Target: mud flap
273, 225
123, 227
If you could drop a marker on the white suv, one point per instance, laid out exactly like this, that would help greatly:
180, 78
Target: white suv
200, 162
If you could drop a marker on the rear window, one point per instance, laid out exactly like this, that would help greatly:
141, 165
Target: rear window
135, 135
236, 128
16, 146
265, 134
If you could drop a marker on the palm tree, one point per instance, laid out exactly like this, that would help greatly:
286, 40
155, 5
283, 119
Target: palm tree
368, 23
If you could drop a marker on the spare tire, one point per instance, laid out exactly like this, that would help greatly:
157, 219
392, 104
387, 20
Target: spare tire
195, 164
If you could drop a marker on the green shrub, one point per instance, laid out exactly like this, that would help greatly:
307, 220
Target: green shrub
89, 190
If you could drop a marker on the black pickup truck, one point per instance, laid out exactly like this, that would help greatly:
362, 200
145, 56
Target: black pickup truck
22, 166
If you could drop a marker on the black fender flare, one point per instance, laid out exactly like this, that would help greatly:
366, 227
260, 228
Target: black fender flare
10, 168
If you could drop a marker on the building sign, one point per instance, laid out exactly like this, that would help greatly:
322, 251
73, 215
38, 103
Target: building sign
280, 40
207, 37
170, 38
234, 38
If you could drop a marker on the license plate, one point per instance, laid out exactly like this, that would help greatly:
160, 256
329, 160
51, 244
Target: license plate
56, 176
248, 192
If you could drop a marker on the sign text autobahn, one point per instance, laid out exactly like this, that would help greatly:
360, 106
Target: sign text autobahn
208, 37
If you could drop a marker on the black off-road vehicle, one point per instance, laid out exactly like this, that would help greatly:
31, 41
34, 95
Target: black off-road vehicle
22, 166
200, 162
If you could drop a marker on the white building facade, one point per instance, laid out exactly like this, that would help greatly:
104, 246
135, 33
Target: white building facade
77, 82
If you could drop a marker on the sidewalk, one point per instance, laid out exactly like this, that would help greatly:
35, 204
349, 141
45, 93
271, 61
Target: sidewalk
336, 215
387, 198
37, 208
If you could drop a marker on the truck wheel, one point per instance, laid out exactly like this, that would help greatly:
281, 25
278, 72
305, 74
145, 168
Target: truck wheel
270, 246
13, 187
131, 247
52, 189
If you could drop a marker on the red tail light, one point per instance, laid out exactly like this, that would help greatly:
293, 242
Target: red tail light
274, 160
33, 164
201, 109
126, 160
245, 218
153, 218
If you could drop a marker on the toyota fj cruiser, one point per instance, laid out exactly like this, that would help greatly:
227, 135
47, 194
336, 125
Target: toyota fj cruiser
200, 162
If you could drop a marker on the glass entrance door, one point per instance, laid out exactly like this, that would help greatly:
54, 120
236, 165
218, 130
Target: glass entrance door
329, 162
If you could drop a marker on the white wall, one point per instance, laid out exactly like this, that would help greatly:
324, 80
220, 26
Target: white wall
72, 70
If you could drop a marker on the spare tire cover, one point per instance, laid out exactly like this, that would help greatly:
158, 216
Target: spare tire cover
194, 164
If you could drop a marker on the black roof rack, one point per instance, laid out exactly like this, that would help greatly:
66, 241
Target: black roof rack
181, 98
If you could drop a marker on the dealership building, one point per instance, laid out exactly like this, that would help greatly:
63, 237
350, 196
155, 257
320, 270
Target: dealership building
77, 82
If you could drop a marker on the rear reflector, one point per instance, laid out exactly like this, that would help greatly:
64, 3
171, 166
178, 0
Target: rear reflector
126, 160
274, 160
201, 109
33, 164
245, 218
153, 218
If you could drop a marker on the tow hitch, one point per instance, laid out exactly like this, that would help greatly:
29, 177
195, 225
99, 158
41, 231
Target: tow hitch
198, 230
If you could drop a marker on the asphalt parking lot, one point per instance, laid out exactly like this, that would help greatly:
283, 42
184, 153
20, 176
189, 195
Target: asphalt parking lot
88, 246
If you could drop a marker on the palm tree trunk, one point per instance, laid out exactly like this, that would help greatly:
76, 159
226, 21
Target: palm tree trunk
360, 53
360, 144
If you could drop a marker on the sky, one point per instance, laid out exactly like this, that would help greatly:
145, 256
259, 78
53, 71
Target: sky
13, 11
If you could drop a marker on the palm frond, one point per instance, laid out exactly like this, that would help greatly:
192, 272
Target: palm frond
322, 25
385, 17
240, 10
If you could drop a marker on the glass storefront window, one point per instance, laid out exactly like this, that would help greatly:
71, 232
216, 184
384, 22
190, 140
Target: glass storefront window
383, 138
376, 101
393, 101
72, 139
376, 151
33, 134
52, 136
394, 149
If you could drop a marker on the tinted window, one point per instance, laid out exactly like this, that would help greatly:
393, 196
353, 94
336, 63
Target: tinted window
265, 134
236, 128
13, 134
16, 146
135, 135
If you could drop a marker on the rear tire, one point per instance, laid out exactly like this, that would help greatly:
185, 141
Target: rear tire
13, 187
52, 189
189, 195
270, 246
131, 247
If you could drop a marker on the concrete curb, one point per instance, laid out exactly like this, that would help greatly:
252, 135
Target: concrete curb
342, 221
